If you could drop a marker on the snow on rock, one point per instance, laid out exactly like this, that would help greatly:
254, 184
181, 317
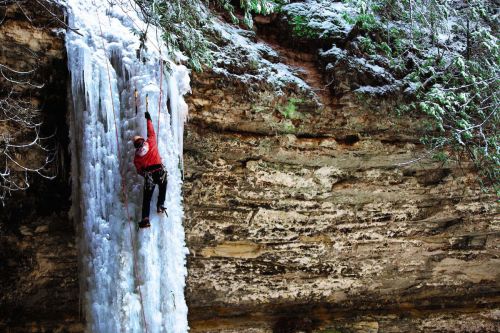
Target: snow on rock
379, 91
249, 62
121, 264
333, 54
372, 69
361, 75
324, 18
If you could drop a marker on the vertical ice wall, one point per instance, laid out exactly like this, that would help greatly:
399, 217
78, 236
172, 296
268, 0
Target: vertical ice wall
103, 121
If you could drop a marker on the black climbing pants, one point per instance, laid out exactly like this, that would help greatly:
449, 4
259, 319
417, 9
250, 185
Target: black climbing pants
152, 178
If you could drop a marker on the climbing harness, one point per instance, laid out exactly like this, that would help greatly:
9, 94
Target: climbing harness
149, 180
123, 184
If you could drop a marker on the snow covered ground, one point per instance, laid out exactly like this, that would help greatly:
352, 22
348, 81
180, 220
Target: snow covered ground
121, 265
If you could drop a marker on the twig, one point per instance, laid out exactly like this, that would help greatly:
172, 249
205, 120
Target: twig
75, 30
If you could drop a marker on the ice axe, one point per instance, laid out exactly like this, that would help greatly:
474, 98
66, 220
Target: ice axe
135, 98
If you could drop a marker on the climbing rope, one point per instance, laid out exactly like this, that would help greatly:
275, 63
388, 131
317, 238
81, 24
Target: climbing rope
159, 101
133, 21
123, 184
159, 98
161, 64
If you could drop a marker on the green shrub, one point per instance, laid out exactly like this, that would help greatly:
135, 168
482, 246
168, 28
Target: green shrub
289, 111
300, 27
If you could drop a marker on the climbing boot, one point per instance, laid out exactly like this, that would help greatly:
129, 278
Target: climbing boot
161, 209
144, 223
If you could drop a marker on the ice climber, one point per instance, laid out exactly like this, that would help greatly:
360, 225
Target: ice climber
147, 161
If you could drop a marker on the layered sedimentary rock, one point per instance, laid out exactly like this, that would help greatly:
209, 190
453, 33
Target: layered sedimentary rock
38, 257
315, 221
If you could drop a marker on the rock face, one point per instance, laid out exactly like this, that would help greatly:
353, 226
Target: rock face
38, 257
324, 227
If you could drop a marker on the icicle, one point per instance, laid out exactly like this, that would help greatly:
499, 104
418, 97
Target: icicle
112, 299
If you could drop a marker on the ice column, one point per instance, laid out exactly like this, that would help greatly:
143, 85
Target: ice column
105, 71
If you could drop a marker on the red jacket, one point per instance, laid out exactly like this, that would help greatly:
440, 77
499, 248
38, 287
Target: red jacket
148, 154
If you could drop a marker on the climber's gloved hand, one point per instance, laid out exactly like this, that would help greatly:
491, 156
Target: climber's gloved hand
147, 115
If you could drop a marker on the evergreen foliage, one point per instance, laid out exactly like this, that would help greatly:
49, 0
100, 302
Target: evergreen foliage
185, 22
449, 57
301, 29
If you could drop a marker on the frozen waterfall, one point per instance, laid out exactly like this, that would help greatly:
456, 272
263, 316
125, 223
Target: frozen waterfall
103, 121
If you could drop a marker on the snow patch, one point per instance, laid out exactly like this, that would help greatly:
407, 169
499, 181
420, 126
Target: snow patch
326, 18
256, 68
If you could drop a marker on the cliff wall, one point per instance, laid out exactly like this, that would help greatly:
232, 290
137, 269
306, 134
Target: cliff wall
38, 257
315, 222
299, 216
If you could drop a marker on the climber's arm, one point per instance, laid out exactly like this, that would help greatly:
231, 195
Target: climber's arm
151, 130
